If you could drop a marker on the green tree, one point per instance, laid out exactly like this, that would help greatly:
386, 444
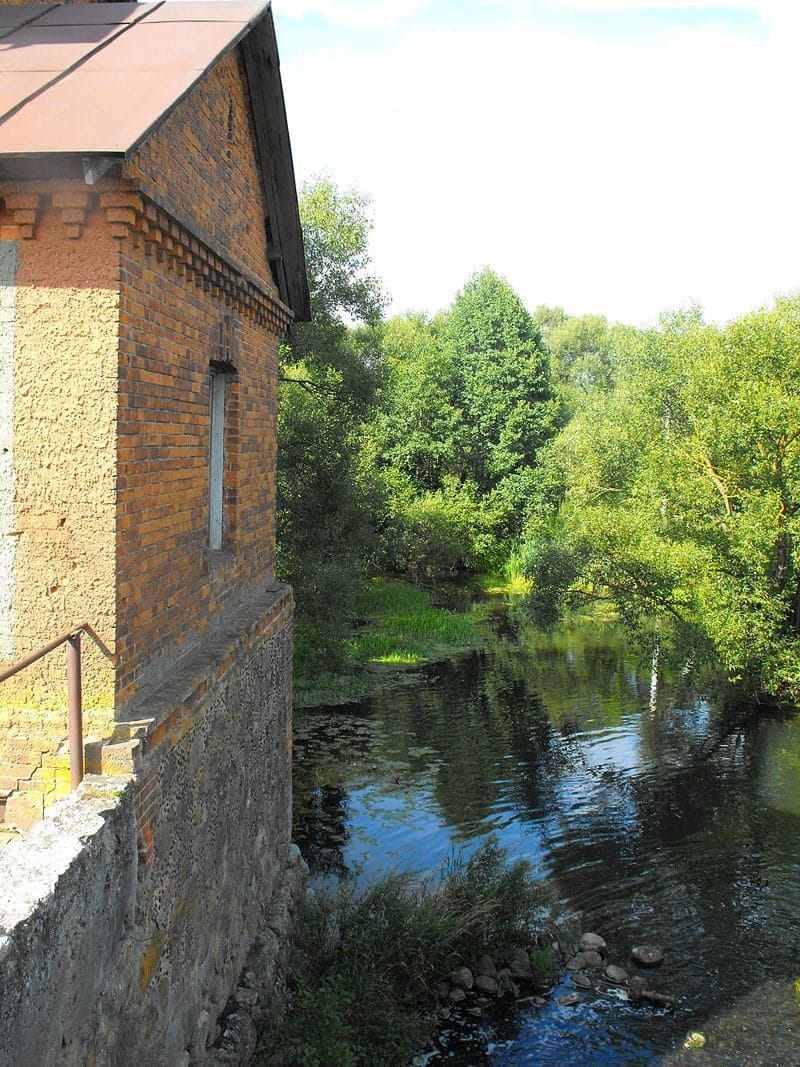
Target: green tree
509, 409
327, 502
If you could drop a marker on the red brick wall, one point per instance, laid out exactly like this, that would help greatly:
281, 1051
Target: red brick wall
191, 167
169, 591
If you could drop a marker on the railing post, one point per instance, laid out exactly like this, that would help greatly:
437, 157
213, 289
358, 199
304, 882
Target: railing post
75, 728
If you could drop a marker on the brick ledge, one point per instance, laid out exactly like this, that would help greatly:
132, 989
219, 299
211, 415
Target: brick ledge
156, 712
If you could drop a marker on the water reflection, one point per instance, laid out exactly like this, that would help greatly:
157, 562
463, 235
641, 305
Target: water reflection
654, 821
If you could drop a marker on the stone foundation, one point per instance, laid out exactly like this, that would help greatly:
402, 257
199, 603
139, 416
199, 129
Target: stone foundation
144, 921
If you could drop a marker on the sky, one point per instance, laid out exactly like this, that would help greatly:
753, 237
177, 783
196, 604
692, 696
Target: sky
620, 157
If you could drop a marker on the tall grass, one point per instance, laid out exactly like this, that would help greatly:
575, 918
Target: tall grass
370, 959
404, 626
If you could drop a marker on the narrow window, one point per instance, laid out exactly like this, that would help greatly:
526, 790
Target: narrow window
216, 460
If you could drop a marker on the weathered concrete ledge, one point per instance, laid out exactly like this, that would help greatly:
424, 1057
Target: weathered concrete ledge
67, 898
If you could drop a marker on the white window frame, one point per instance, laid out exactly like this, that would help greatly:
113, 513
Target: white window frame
216, 461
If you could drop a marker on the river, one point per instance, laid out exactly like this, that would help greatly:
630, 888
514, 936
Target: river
651, 817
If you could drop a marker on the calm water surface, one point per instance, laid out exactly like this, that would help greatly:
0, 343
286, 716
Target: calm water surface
653, 821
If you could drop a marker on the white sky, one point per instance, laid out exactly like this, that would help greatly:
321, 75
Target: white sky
613, 156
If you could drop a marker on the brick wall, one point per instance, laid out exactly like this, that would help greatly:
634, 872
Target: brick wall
169, 587
200, 165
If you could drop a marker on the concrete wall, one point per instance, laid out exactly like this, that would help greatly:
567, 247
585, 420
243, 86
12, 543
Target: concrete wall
128, 917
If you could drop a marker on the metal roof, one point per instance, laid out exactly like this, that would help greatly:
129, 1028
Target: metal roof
96, 78
93, 80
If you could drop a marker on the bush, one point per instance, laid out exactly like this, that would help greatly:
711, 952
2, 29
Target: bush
437, 534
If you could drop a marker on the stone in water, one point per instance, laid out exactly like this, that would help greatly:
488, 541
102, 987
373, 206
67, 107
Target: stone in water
592, 943
485, 984
592, 959
582, 981
462, 977
615, 974
567, 1000
647, 955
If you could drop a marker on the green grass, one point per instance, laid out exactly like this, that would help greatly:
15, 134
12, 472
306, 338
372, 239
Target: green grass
503, 584
400, 627
405, 628
369, 961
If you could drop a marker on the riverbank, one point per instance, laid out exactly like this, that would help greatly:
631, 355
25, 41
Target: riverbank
378, 968
400, 627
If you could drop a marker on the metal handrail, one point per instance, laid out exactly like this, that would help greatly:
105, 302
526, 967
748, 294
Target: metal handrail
72, 639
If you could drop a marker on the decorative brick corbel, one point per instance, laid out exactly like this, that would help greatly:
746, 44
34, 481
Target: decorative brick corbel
24, 208
74, 206
123, 211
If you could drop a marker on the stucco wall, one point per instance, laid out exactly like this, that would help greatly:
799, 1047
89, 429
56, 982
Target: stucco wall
66, 317
8, 543
117, 950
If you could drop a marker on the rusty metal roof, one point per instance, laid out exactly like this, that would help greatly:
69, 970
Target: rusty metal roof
82, 81
95, 79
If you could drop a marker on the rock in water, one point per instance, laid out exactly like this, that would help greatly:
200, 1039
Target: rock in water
647, 955
591, 959
486, 966
582, 981
457, 994
462, 977
568, 1000
615, 974
636, 987
520, 963
485, 984
592, 943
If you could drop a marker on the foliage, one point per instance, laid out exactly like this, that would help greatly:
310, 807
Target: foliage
463, 409
397, 626
327, 502
681, 494
434, 534
509, 411
371, 958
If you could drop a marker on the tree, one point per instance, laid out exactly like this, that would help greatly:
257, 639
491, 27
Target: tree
509, 409
327, 501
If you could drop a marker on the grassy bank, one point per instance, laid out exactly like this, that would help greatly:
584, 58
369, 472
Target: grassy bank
374, 965
399, 628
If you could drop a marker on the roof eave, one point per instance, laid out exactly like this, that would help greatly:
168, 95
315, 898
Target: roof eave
287, 257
